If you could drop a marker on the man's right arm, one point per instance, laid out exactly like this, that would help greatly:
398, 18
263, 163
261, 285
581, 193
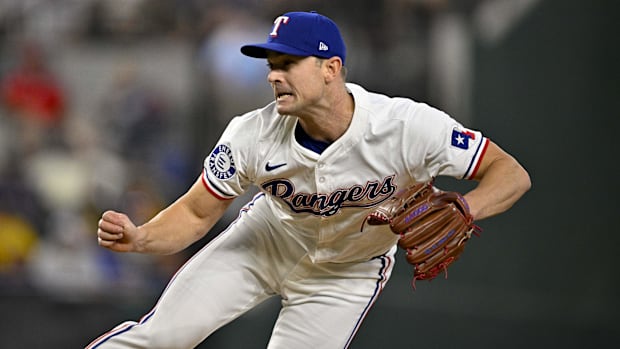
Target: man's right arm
173, 229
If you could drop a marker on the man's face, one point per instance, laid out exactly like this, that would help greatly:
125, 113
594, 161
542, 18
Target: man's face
297, 82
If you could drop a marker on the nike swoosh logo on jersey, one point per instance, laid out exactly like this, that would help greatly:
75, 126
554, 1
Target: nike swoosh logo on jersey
271, 168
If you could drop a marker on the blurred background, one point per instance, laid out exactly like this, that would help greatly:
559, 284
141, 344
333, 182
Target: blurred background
113, 104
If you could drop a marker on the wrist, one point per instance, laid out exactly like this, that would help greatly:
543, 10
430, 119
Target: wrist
141, 240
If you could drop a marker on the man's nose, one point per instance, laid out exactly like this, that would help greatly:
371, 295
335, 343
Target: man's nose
274, 76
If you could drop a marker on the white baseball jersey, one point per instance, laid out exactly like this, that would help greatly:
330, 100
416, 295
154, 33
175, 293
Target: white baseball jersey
300, 237
322, 199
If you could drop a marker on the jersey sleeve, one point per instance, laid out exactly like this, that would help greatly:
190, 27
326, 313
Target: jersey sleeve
445, 145
226, 168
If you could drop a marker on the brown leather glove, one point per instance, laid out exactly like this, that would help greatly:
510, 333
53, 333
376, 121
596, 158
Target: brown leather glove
433, 225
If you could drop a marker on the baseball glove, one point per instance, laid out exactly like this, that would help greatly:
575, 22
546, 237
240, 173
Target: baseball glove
433, 225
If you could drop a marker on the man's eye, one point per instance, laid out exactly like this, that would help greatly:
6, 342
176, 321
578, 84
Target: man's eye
281, 65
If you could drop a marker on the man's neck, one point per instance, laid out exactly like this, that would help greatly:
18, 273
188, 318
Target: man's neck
330, 123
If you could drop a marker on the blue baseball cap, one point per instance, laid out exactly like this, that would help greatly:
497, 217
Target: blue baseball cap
301, 34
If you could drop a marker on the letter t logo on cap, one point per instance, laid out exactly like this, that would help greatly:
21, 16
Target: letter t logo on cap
276, 25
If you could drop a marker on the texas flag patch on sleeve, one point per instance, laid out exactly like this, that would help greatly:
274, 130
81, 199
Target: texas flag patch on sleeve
472, 143
461, 138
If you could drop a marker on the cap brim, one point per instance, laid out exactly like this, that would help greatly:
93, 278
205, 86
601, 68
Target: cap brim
260, 50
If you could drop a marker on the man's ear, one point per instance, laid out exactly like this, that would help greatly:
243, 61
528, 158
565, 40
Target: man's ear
333, 66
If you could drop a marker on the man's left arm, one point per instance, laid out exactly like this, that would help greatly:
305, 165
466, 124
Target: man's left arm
502, 181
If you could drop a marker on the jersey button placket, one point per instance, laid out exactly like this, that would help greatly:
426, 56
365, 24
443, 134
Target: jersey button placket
321, 188
318, 175
319, 167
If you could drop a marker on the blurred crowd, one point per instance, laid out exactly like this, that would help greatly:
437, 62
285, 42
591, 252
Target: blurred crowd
77, 138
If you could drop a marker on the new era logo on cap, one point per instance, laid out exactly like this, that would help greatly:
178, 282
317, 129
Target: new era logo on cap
301, 34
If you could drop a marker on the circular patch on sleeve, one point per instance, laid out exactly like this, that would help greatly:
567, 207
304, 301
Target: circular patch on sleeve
221, 163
